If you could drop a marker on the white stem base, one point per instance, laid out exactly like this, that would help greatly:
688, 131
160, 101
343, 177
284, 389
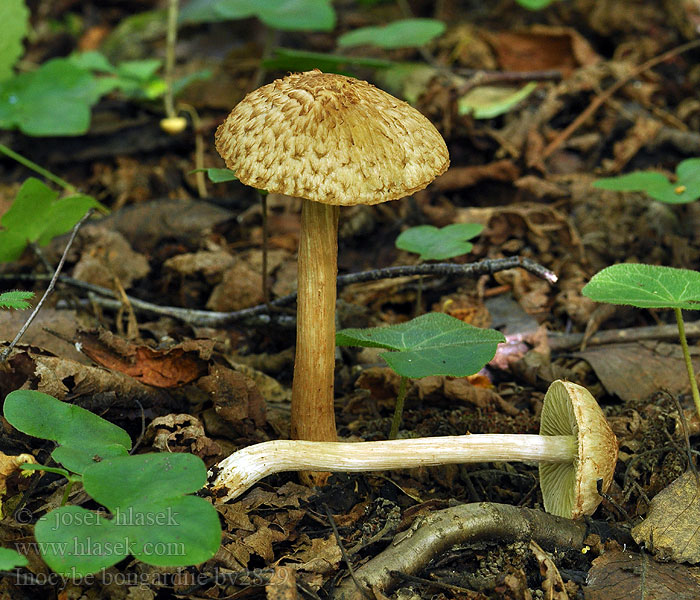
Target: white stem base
238, 472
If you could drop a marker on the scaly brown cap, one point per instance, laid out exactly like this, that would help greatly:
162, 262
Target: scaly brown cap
332, 139
570, 489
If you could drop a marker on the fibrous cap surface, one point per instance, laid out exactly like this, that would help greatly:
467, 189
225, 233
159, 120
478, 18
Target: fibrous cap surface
332, 139
570, 490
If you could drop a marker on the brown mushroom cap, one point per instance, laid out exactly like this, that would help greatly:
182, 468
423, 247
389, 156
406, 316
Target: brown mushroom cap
332, 139
570, 489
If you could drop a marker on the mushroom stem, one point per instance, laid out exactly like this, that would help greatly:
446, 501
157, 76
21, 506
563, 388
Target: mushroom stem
313, 417
242, 469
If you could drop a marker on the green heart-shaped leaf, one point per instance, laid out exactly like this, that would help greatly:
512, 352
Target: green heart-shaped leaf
83, 437
439, 244
432, 344
152, 517
53, 100
646, 286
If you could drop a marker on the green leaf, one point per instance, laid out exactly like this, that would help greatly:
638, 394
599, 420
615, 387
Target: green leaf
9, 559
14, 17
210, 11
140, 70
12, 246
16, 299
290, 15
53, 100
83, 437
152, 517
297, 15
487, 102
439, 244
534, 4
64, 214
432, 344
92, 60
221, 175
29, 209
406, 33
38, 215
685, 189
303, 60
646, 286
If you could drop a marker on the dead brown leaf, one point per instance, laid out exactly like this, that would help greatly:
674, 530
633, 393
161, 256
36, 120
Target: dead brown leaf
210, 263
236, 397
543, 48
107, 255
655, 365
618, 575
458, 178
671, 529
552, 583
170, 368
181, 433
319, 555
240, 287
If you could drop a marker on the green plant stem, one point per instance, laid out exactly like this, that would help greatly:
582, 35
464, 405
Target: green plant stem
398, 409
688, 362
265, 235
66, 492
34, 167
170, 40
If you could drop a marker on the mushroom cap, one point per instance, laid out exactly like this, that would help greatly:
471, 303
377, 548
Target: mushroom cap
332, 139
570, 489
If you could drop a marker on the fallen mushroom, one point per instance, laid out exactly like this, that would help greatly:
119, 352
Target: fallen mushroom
333, 141
575, 448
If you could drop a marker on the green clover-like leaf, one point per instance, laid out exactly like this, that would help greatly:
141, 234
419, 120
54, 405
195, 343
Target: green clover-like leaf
439, 244
152, 517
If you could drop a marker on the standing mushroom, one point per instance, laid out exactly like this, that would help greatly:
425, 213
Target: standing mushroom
332, 141
575, 449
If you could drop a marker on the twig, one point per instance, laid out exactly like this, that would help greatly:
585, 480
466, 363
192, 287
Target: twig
412, 549
478, 78
204, 318
599, 100
565, 341
344, 554
49, 289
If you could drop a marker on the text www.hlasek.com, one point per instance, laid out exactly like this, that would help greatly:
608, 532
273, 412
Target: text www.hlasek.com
88, 546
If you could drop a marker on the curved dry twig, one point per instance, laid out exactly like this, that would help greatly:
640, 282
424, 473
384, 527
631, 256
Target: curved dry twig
205, 318
428, 537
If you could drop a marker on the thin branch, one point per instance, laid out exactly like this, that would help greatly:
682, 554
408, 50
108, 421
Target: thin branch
430, 536
49, 289
205, 318
346, 559
600, 99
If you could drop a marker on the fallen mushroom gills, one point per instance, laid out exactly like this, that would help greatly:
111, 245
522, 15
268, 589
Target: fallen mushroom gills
575, 449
